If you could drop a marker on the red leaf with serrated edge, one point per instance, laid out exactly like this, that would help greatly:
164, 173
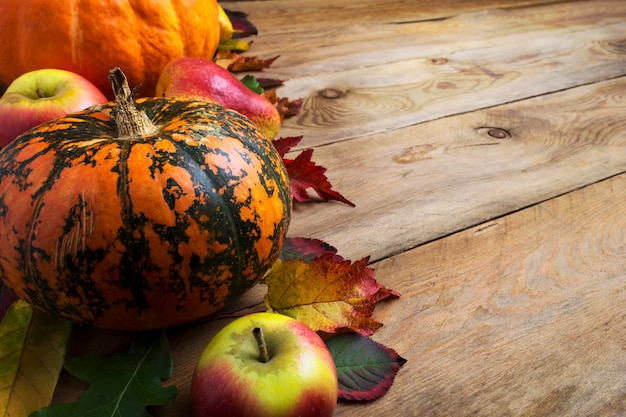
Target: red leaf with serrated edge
305, 174
306, 249
284, 145
365, 369
326, 294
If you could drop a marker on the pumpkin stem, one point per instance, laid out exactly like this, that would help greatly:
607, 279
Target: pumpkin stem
130, 121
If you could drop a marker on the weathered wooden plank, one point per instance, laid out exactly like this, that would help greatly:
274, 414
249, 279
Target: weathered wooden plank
419, 183
357, 43
520, 316
289, 17
362, 101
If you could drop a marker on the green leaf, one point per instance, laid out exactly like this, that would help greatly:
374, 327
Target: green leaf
252, 83
122, 385
32, 351
365, 368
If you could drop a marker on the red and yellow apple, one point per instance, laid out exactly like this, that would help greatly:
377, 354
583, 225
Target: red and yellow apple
42, 95
265, 365
200, 79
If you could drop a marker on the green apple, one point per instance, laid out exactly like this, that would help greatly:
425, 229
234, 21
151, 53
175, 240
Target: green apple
201, 79
265, 365
42, 95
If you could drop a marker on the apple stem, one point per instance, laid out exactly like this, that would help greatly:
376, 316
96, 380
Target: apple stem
260, 340
130, 121
40, 93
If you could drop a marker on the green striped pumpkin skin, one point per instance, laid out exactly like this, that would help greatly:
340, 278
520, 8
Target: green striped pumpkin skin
145, 232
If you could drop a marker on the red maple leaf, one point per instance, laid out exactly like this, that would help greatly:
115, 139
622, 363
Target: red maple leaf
305, 174
284, 145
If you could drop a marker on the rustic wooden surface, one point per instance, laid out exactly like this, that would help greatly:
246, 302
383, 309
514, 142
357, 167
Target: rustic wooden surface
484, 145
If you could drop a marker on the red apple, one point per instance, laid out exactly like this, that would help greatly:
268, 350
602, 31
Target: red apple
201, 79
42, 95
293, 375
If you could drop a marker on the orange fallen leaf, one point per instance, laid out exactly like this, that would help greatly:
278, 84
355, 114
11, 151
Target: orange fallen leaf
326, 294
235, 62
286, 107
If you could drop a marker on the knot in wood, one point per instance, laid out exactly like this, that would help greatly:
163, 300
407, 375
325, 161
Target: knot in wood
496, 132
439, 61
331, 93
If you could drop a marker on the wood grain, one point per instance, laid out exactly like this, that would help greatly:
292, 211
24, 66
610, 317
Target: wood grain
366, 100
355, 43
419, 183
377, 75
293, 18
520, 316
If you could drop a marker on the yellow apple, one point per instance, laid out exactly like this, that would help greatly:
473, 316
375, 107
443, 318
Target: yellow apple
42, 95
265, 365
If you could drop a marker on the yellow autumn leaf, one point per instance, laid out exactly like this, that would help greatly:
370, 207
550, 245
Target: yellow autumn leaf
226, 26
32, 352
327, 294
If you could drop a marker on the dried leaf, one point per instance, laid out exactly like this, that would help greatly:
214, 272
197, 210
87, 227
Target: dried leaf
32, 351
365, 369
234, 62
306, 249
242, 26
284, 145
286, 107
241, 63
236, 45
326, 294
122, 385
269, 83
305, 174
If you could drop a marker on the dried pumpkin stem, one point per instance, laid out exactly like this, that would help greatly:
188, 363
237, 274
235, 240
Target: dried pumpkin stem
260, 340
130, 121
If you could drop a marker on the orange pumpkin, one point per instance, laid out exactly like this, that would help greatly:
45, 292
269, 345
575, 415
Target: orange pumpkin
141, 36
140, 215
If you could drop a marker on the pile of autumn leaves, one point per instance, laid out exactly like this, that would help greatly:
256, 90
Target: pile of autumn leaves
310, 282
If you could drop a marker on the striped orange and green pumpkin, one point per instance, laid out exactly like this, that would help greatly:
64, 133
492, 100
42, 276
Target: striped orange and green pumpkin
147, 225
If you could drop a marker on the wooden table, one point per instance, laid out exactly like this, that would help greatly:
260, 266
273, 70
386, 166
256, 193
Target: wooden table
484, 145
